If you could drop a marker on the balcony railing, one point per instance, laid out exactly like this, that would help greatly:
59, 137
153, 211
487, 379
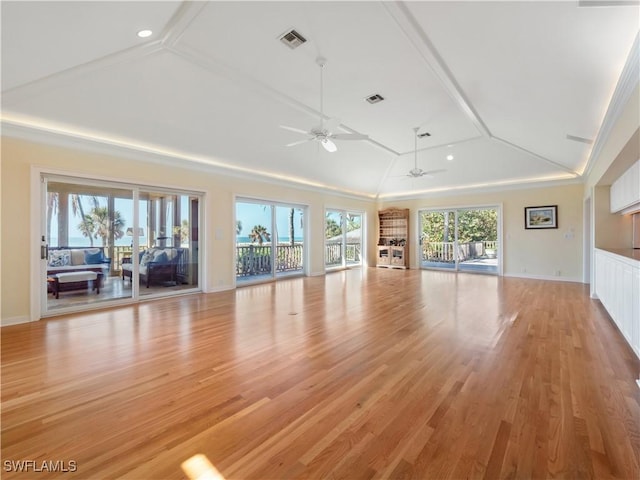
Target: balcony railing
445, 251
333, 254
256, 259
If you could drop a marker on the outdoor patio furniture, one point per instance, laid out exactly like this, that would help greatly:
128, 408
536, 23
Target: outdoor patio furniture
157, 265
77, 259
78, 280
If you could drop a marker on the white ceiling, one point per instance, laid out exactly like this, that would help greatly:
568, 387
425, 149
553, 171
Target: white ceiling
499, 85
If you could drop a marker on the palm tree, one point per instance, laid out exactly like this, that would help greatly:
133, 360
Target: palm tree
77, 208
292, 230
53, 199
238, 227
98, 223
259, 234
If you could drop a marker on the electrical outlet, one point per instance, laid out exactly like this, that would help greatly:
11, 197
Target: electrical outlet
558, 273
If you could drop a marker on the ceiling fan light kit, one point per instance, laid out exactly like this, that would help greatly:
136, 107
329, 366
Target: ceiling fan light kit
324, 133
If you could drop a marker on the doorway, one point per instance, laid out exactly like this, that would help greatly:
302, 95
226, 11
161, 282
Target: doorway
270, 240
343, 238
461, 239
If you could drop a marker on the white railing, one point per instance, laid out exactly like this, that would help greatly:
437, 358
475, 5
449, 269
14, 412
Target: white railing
333, 254
256, 259
445, 251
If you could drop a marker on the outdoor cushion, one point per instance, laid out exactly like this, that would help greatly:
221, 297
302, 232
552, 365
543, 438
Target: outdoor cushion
76, 276
77, 257
93, 256
59, 258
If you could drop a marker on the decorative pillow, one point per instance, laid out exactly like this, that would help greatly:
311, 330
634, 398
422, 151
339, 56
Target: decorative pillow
59, 258
77, 257
161, 257
93, 256
146, 258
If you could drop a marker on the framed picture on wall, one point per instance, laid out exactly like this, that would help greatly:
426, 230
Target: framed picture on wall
541, 217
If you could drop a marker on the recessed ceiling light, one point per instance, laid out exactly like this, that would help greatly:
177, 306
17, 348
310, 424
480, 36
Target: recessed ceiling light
449, 157
145, 33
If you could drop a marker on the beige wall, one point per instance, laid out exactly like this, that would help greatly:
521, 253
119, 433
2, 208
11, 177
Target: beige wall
18, 158
535, 253
612, 230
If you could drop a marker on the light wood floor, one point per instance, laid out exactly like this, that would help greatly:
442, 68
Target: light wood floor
361, 374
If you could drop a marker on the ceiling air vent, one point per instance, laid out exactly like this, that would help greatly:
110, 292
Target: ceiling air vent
292, 39
376, 98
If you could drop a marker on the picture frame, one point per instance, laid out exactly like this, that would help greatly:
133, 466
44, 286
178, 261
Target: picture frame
536, 218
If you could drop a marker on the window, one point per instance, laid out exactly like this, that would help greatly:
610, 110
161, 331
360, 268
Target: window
270, 240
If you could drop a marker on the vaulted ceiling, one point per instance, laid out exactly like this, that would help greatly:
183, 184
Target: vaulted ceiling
516, 92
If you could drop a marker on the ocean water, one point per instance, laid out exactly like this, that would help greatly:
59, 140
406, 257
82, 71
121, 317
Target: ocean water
97, 242
281, 239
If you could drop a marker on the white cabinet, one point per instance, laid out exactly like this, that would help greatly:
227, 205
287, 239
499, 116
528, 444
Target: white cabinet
617, 286
625, 191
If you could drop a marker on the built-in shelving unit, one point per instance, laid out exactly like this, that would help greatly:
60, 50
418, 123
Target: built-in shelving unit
393, 238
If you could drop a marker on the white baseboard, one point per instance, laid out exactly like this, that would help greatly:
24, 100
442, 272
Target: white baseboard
5, 322
552, 278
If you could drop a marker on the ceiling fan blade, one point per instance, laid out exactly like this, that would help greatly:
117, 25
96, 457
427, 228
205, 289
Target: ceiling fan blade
433, 172
328, 145
299, 143
332, 125
292, 129
350, 136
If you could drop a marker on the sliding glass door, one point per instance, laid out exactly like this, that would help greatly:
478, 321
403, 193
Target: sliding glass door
270, 240
343, 238
438, 239
104, 242
464, 239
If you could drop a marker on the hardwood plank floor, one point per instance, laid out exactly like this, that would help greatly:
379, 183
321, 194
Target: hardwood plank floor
370, 373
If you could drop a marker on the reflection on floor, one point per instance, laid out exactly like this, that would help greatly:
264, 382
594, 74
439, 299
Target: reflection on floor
484, 265
113, 288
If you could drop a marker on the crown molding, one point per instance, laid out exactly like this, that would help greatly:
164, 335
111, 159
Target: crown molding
122, 148
627, 83
182, 18
508, 185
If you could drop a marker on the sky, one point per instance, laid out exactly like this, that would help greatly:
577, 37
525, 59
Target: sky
252, 214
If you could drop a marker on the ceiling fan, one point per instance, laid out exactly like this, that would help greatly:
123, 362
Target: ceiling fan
416, 172
324, 133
